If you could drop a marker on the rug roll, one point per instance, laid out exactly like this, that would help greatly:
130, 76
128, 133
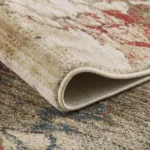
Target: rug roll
76, 52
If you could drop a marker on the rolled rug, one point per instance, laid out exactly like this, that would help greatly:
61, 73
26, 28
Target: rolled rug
76, 52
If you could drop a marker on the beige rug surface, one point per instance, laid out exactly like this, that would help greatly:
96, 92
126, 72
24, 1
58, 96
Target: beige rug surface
76, 52
29, 122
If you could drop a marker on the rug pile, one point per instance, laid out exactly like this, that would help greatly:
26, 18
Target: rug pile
76, 52
29, 122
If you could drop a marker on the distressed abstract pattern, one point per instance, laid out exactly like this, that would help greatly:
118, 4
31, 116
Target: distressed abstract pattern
43, 40
28, 122
123, 25
120, 29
